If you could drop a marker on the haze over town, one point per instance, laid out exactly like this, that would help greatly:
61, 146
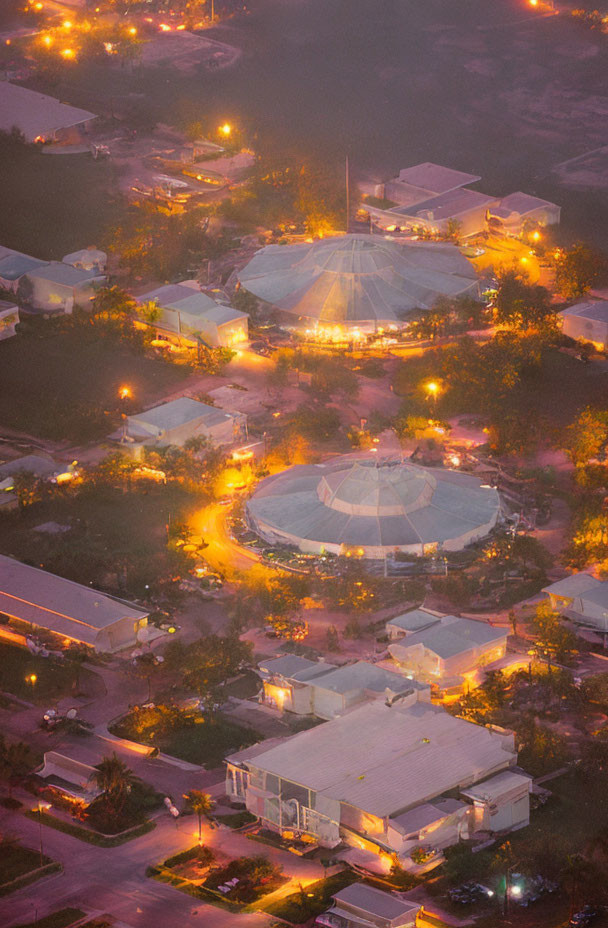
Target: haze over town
303, 464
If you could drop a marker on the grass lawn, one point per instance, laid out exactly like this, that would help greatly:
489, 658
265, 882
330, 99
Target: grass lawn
54, 204
16, 861
300, 907
118, 541
60, 919
63, 385
244, 687
53, 681
236, 819
206, 743
85, 834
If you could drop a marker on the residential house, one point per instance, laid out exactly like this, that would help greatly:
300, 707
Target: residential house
587, 321
513, 213
583, 599
58, 287
448, 652
9, 318
350, 779
187, 315
41, 118
78, 613
315, 688
361, 906
173, 423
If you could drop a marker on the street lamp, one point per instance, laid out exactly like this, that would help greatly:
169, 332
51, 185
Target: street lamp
432, 388
124, 393
32, 678
41, 806
226, 129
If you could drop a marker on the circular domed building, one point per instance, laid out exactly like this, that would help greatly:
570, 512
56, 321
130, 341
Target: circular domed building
373, 508
357, 280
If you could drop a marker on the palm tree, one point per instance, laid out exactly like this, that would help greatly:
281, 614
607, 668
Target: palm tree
202, 805
116, 780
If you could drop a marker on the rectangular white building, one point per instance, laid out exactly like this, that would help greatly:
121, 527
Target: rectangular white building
175, 422
349, 780
188, 315
587, 321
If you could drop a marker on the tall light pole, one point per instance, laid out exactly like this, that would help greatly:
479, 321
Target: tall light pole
347, 197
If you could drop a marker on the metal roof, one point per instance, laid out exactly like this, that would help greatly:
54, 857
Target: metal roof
33, 464
415, 619
497, 786
384, 759
363, 676
40, 598
520, 203
598, 595
357, 278
375, 902
67, 275
596, 310
290, 665
388, 504
574, 585
176, 413
425, 814
449, 636
186, 299
36, 114
435, 177
14, 266
445, 206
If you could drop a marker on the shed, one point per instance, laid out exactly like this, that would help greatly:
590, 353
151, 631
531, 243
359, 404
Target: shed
58, 287
587, 321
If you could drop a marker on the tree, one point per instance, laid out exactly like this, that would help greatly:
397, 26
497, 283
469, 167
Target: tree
513, 621
116, 780
16, 761
77, 655
27, 487
520, 305
554, 642
577, 270
587, 436
210, 661
332, 639
202, 805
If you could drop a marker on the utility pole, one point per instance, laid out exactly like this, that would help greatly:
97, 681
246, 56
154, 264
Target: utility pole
212, 11
347, 197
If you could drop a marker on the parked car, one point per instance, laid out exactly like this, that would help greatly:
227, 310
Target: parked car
584, 917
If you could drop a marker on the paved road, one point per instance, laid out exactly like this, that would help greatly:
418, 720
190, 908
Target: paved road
113, 880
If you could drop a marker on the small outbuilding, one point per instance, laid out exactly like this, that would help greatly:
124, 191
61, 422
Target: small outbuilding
87, 259
58, 287
14, 265
501, 803
587, 321
581, 598
363, 906
175, 422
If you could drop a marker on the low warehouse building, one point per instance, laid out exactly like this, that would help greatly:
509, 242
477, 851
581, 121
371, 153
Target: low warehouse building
513, 213
582, 598
361, 906
351, 779
75, 612
315, 688
370, 508
41, 118
448, 651
175, 422
187, 315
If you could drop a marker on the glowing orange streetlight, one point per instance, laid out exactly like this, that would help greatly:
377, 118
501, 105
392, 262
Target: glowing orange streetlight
226, 129
68, 53
125, 393
536, 236
67, 24
432, 388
